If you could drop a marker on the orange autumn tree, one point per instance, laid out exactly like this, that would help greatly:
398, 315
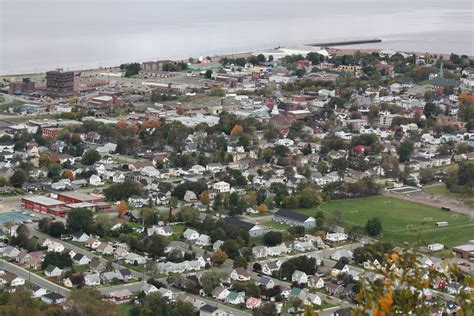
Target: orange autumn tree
68, 174
237, 130
218, 257
121, 124
262, 208
122, 208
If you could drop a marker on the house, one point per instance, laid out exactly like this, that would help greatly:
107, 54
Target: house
266, 282
294, 219
315, 282
303, 246
269, 267
11, 252
132, 258
160, 230
95, 180
53, 298
54, 246
121, 296
259, 252
166, 293
13, 280
240, 274
208, 310
253, 302
190, 196
221, 187
235, 298
220, 293
190, 234
52, 271
80, 237
312, 299
454, 288
92, 242
35, 260
203, 240
217, 245
149, 288
297, 293
299, 277
92, 279
334, 289
36, 291
110, 276
105, 248
254, 230
336, 238
80, 259
278, 250
339, 267
150, 171
97, 265
341, 253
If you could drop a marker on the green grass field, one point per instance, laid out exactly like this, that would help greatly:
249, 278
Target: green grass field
442, 190
401, 220
275, 225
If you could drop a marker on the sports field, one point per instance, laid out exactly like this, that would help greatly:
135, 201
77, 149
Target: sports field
401, 220
13, 217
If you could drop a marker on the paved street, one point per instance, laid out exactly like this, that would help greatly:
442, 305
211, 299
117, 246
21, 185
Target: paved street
33, 278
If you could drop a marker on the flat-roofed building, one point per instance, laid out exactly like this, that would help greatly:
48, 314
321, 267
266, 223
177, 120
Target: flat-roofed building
76, 197
40, 203
465, 251
60, 83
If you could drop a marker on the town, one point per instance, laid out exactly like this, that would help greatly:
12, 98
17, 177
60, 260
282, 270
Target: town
293, 181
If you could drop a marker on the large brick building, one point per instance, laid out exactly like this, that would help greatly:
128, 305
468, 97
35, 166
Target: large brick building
60, 83
40, 204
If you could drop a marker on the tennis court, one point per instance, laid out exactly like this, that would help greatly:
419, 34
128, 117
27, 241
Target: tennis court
13, 217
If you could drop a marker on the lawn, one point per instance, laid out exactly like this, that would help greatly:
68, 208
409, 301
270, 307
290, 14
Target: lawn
275, 225
124, 309
81, 268
442, 190
401, 220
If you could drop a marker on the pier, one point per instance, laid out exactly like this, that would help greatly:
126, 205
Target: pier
344, 43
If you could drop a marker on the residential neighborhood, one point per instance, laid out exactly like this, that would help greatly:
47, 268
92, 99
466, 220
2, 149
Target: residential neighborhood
264, 184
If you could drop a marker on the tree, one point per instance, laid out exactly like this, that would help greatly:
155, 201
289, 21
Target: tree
122, 208
237, 130
240, 262
122, 191
373, 227
319, 216
405, 150
18, 178
427, 176
219, 257
56, 229
273, 238
211, 279
205, 198
231, 248
262, 208
296, 231
208, 74
155, 245
68, 174
20, 303
90, 157
87, 301
60, 260
79, 220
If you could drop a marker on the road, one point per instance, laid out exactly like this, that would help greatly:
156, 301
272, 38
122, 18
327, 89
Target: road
33, 278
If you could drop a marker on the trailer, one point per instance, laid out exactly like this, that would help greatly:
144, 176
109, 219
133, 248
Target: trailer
441, 224
444, 208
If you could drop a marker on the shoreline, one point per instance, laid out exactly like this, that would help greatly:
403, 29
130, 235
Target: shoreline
337, 50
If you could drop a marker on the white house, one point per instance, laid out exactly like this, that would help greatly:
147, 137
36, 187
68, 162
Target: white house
150, 171
240, 274
203, 240
52, 271
235, 298
133, 258
17, 282
160, 230
81, 259
190, 234
80, 237
92, 279
149, 288
95, 180
299, 277
221, 187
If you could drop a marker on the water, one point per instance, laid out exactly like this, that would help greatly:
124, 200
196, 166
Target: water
38, 35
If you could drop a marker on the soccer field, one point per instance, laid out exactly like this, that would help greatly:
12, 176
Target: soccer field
401, 220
